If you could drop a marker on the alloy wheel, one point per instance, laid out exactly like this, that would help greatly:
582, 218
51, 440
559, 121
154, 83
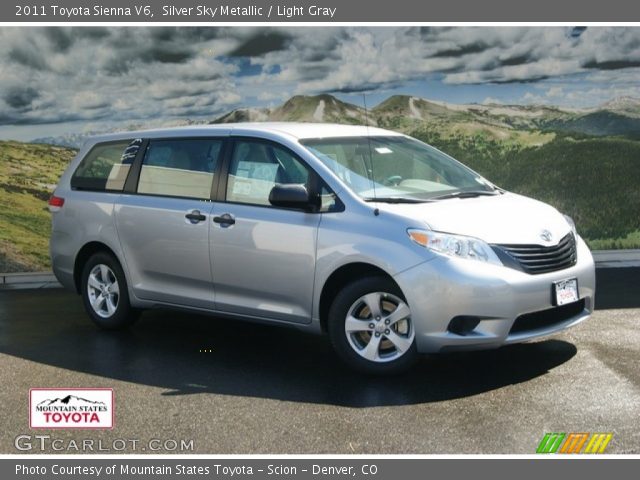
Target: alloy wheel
378, 327
103, 291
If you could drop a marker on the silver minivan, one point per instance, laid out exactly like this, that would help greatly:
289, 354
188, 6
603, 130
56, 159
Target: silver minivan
387, 244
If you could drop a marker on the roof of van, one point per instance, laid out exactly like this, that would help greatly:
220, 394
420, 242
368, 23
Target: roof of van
293, 129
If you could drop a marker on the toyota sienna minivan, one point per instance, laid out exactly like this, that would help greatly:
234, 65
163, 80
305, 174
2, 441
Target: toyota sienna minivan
385, 243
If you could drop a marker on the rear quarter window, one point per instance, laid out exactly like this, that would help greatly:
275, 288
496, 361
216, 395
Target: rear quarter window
106, 166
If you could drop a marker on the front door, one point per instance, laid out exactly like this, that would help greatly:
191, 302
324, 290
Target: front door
263, 258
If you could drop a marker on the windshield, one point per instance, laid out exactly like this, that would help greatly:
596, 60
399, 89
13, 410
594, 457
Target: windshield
395, 167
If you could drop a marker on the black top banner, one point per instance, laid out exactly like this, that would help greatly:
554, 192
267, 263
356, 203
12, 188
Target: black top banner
235, 11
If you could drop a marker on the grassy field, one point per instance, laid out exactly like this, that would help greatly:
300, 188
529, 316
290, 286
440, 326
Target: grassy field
28, 175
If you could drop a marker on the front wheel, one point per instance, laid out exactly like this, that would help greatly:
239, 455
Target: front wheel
371, 329
104, 292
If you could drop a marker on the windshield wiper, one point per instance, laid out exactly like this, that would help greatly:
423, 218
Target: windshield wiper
395, 200
468, 194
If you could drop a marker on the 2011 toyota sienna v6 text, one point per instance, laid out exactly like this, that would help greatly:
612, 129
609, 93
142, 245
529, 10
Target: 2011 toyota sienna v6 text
389, 245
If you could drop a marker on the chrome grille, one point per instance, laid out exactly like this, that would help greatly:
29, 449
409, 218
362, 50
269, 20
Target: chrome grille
536, 259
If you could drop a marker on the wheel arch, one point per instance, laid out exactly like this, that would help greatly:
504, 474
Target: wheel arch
84, 254
341, 277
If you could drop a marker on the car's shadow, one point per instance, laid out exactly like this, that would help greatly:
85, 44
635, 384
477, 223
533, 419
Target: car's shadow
617, 288
187, 354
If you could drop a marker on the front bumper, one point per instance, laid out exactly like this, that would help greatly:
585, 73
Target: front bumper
444, 288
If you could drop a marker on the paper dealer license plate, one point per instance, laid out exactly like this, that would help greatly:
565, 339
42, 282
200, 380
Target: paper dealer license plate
566, 291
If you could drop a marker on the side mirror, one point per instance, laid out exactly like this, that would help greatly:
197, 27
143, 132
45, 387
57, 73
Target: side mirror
291, 195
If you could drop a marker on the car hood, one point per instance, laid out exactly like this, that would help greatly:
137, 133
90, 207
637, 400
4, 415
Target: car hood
505, 219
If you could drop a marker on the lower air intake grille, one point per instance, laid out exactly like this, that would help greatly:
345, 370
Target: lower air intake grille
547, 318
535, 259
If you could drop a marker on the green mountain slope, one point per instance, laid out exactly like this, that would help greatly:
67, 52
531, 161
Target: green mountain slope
600, 123
28, 175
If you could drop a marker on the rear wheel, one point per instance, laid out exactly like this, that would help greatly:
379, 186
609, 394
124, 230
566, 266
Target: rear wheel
104, 292
370, 327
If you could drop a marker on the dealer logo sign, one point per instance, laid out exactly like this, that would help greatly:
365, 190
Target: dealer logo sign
82, 408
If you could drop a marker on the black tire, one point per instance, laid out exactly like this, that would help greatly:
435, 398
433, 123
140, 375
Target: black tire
123, 314
342, 304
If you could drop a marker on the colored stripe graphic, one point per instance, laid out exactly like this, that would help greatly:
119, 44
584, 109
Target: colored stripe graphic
550, 443
573, 442
581, 443
543, 443
598, 443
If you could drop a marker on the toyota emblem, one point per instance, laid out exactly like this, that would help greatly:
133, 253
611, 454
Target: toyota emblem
546, 235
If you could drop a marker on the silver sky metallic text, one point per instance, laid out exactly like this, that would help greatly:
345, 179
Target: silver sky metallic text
213, 12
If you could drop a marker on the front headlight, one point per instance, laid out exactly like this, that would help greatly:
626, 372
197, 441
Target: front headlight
457, 246
571, 223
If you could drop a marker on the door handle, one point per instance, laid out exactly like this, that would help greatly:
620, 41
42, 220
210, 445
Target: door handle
225, 219
195, 216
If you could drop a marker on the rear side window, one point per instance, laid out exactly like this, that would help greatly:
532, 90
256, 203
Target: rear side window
180, 168
106, 166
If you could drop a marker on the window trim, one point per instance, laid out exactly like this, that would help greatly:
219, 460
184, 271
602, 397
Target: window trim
131, 185
91, 150
313, 185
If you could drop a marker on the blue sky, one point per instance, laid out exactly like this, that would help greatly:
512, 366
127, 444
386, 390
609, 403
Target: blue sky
59, 80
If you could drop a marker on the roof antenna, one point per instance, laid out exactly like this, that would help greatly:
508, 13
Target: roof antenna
376, 212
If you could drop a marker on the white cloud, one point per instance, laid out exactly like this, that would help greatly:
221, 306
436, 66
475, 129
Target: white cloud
492, 101
555, 92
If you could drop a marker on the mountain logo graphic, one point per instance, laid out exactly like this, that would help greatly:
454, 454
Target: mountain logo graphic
69, 400
58, 408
